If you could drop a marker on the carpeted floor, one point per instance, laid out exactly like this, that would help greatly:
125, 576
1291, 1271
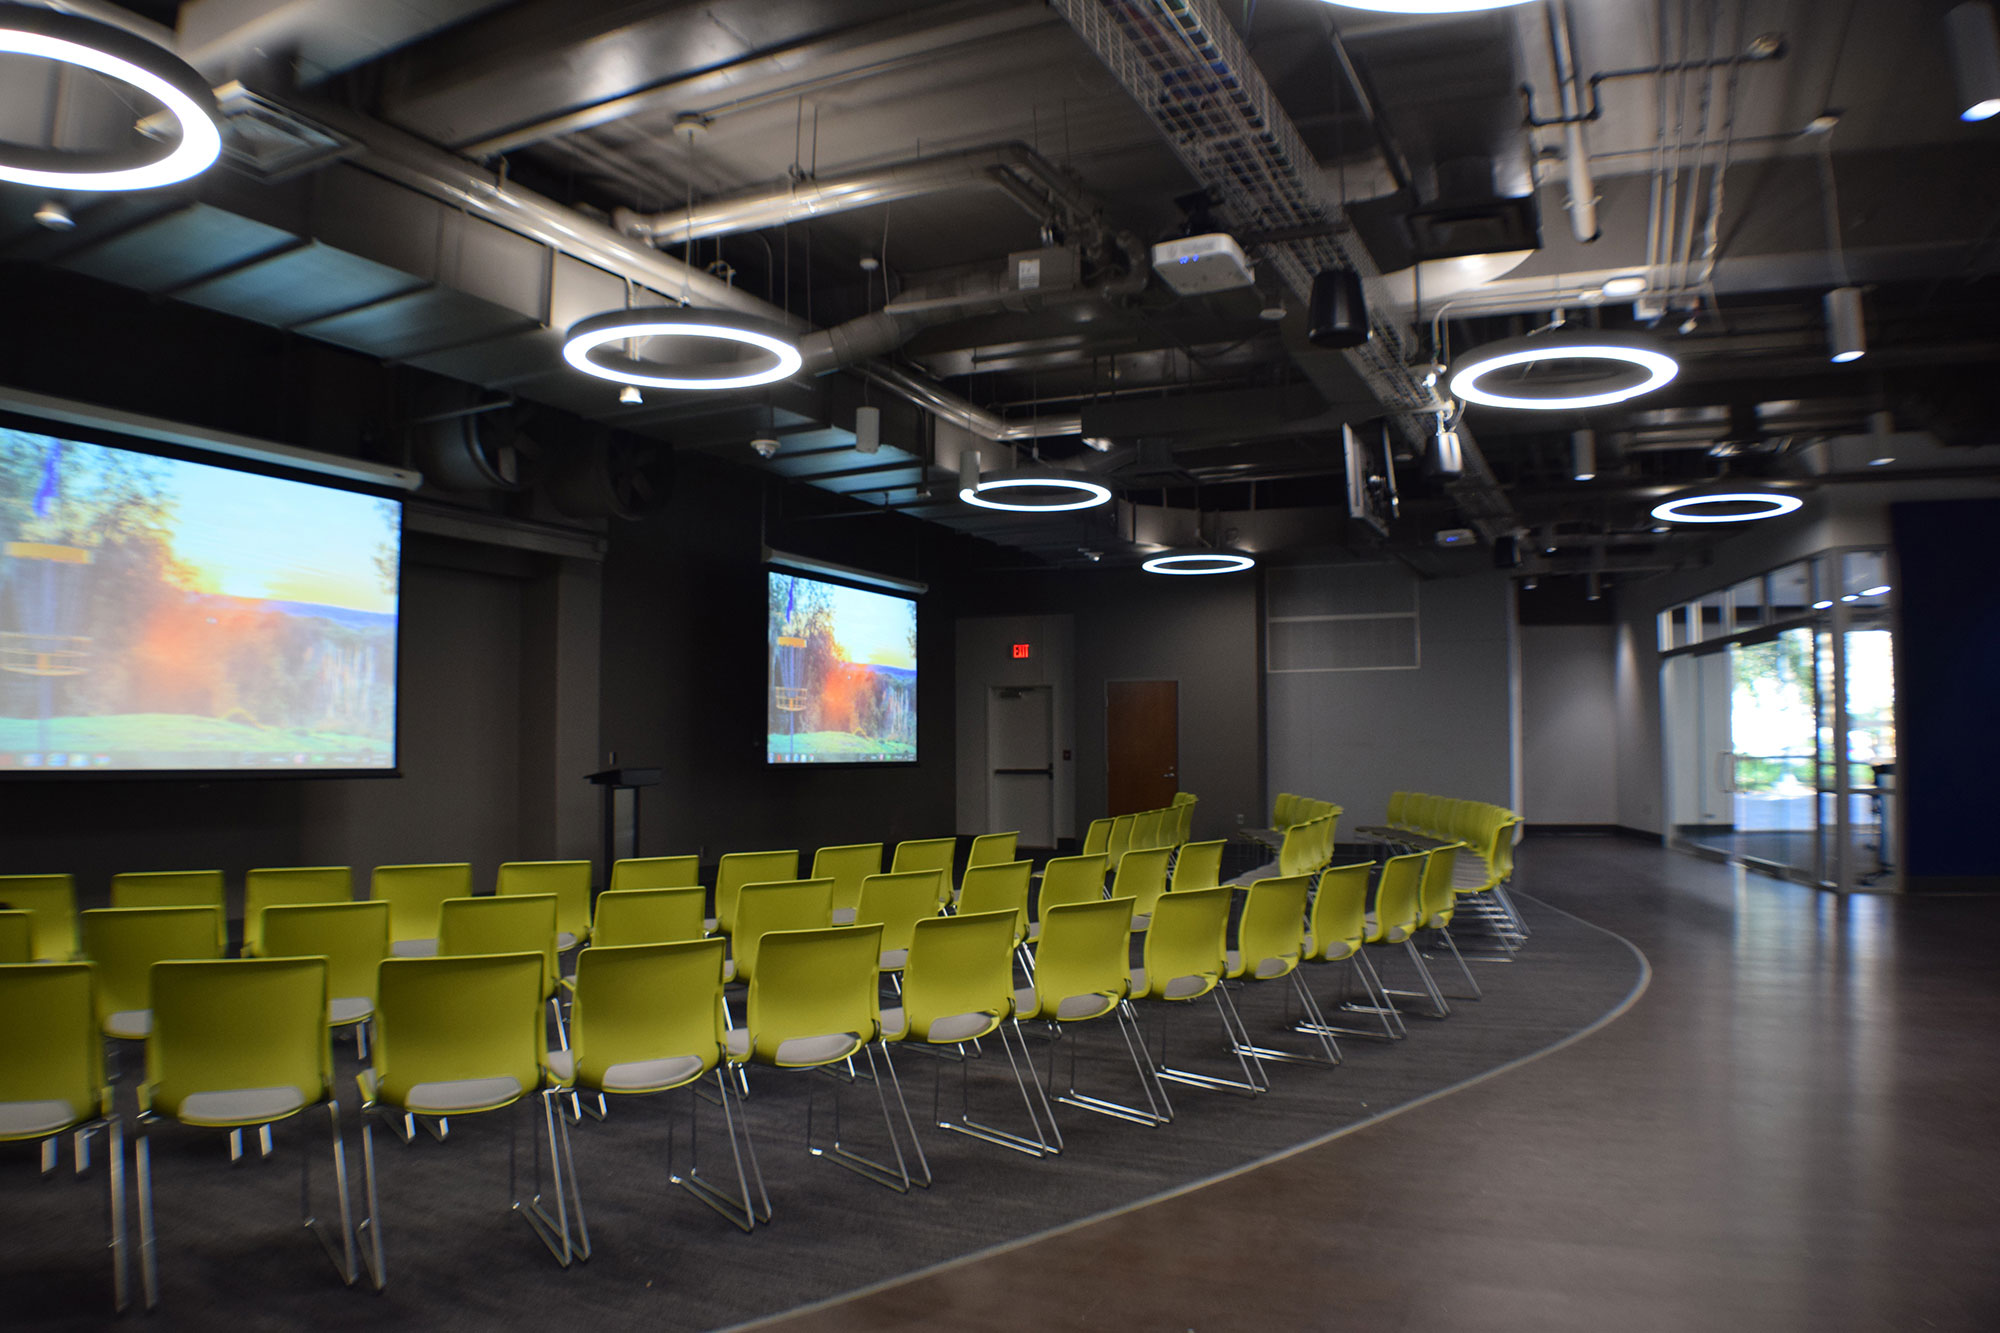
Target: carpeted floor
231, 1254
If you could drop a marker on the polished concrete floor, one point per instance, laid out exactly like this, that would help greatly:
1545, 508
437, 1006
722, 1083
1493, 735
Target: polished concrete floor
1794, 1128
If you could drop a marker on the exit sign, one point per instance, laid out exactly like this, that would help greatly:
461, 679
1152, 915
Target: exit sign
1020, 650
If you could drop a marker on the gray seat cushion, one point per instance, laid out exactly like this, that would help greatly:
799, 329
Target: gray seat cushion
1085, 1006
651, 1075
894, 959
1178, 988
803, 1050
22, 1119
843, 916
959, 1027
129, 1024
349, 1009
414, 948
239, 1105
461, 1094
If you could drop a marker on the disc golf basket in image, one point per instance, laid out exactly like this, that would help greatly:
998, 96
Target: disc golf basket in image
46, 588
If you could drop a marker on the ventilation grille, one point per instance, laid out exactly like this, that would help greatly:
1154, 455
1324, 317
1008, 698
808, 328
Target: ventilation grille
1341, 618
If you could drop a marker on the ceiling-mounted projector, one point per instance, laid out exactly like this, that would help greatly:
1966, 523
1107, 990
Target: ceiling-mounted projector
1196, 265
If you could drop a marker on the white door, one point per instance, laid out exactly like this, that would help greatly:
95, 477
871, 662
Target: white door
1021, 774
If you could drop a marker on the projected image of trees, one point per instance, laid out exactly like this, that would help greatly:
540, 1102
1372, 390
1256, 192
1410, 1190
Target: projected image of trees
843, 674
159, 614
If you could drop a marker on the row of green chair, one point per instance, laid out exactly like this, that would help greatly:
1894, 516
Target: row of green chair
1168, 828
1488, 833
1289, 809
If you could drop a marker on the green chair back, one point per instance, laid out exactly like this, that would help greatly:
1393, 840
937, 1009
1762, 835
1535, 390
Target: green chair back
125, 942
1097, 838
896, 902
415, 893
287, 886
1340, 912
352, 937
455, 1020
238, 1041
1199, 865
739, 868
51, 901
1398, 908
996, 888
656, 872
1147, 830
51, 1049
517, 923
175, 888
569, 881
990, 849
799, 904
1083, 964
17, 937
628, 917
1435, 896
1142, 877
1270, 937
647, 1017
959, 984
847, 866
1122, 840
927, 854
1184, 957
1393, 814
1071, 879
814, 1000
1281, 810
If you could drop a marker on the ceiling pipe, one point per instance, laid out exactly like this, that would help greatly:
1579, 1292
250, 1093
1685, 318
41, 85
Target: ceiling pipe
947, 406
1582, 203
1017, 170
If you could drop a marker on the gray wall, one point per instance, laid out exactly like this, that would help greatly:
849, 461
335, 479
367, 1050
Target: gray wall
1448, 727
1569, 756
985, 660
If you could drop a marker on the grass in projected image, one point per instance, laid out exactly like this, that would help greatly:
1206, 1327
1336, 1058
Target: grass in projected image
843, 674
159, 614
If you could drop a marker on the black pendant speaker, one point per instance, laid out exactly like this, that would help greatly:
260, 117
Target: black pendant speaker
1338, 313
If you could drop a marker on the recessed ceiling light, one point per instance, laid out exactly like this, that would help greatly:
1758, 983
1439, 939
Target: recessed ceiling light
1618, 289
1973, 35
1880, 462
1877, 591
1738, 506
1199, 562
1851, 597
1035, 491
126, 58
1821, 606
1626, 367
771, 353
1846, 333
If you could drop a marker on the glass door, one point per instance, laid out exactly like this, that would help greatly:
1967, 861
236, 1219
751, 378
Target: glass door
1773, 762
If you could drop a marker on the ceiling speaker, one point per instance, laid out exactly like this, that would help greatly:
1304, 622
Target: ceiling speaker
1337, 315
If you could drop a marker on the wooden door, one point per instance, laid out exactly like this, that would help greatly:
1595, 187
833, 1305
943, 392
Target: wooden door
1142, 744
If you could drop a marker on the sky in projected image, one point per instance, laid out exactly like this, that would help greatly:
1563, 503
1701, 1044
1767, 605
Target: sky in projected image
161, 614
843, 674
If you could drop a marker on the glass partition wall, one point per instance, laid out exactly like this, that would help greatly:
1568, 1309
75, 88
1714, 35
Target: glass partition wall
1778, 698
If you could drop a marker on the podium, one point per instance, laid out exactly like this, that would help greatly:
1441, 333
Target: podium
621, 805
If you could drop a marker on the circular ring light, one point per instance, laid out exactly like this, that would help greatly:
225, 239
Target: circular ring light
767, 353
1625, 367
1424, 6
1035, 491
1199, 562
125, 58
1725, 506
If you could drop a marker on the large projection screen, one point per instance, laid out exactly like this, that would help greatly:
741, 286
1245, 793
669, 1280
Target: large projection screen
843, 674
165, 616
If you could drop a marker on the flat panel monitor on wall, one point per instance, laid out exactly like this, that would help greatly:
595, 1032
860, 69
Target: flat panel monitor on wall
164, 616
842, 685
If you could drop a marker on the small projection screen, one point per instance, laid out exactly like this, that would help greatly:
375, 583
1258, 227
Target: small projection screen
163, 616
842, 674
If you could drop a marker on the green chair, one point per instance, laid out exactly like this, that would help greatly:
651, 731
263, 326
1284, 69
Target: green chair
1121, 840
1270, 945
353, 937
1336, 933
414, 894
958, 988
125, 942
1097, 838
52, 1079
237, 1043
458, 1037
1437, 902
51, 901
1142, 877
927, 854
1198, 865
569, 881
739, 868
1150, 830
897, 902
17, 937
814, 1004
799, 904
175, 888
648, 1018
994, 888
518, 923
847, 866
1083, 973
1398, 914
656, 872
1184, 959
649, 916
289, 886
992, 849
1066, 880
